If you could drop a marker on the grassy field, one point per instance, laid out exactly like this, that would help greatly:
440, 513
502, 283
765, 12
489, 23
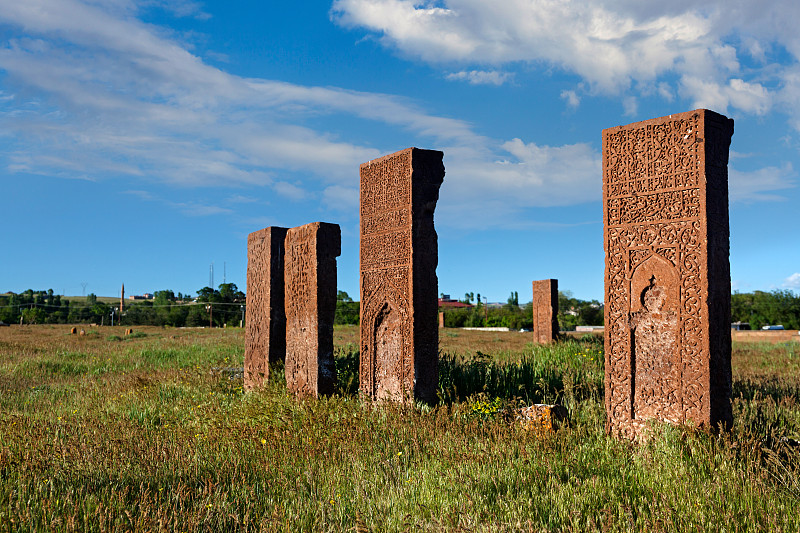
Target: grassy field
151, 432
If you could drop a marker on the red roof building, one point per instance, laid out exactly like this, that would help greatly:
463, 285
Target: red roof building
447, 303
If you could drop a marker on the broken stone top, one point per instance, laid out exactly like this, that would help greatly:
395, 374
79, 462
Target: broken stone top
399, 254
386, 182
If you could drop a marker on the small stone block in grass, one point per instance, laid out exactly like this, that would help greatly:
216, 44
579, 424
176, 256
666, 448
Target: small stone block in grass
542, 417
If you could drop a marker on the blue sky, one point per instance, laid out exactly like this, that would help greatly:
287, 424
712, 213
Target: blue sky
140, 141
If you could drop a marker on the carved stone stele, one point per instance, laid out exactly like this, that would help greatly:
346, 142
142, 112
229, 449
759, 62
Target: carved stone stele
399, 253
545, 311
310, 296
667, 273
265, 326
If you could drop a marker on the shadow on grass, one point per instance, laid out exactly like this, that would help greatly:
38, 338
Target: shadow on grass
777, 388
461, 378
548, 375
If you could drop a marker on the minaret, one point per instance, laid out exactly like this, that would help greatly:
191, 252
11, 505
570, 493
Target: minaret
121, 300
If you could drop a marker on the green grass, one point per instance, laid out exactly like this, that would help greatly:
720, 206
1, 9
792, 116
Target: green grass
143, 435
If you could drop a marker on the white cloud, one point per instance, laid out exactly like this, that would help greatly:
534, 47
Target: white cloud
572, 98
180, 8
614, 46
749, 97
91, 92
341, 198
100, 94
630, 105
189, 208
497, 191
481, 77
793, 281
760, 185
290, 190
665, 91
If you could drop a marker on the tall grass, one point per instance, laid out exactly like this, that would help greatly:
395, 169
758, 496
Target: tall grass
160, 441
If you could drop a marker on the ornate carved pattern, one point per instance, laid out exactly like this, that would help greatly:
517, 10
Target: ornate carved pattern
265, 330
657, 224
310, 296
399, 334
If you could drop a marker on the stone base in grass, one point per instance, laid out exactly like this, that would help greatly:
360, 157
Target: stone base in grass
542, 417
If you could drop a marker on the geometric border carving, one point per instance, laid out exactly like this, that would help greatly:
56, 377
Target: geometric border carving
665, 202
399, 253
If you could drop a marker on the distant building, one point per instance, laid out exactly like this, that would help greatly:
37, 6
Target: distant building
145, 296
448, 303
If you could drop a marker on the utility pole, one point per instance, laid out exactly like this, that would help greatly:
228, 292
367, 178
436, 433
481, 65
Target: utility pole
241, 324
210, 309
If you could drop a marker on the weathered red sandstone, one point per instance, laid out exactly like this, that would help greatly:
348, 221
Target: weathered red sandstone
399, 254
310, 303
545, 310
667, 276
265, 330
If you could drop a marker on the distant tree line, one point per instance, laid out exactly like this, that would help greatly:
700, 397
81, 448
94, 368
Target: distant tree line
211, 307
347, 311
760, 308
226, 305
571, 312
217, 307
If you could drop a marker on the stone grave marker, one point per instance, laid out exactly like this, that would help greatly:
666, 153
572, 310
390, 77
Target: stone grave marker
667, 272
545, 311
310, 301
265, 325
399, 254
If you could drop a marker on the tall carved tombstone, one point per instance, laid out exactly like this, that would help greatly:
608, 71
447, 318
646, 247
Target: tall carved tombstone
545, 310
310, 296
399, 254
265, 329
667, 276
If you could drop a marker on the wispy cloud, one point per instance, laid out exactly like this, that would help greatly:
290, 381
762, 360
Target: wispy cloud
572, 98
240, 199
193, 209
188, 208
98, 82
793, 281
481, 77
617, 48
341, 198
762, 185
92, 92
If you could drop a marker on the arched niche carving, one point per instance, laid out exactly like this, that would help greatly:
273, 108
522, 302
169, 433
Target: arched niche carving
667, 278
387, 339
655, 358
